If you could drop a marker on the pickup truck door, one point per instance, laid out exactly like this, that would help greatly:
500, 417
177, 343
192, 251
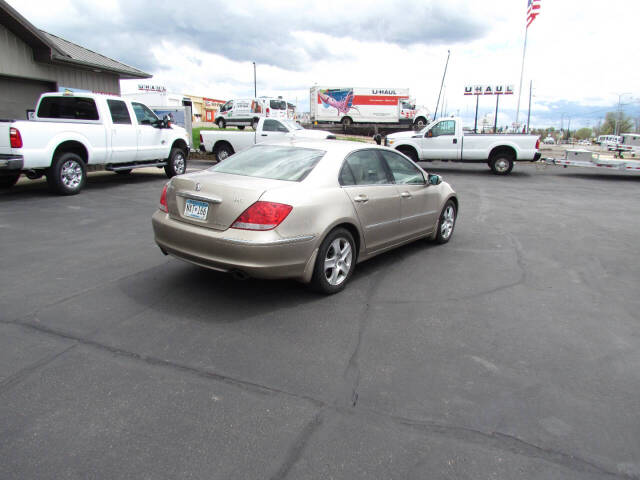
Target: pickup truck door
152, 143
419, 201
440, 142
124, 135
271, 129
367, 181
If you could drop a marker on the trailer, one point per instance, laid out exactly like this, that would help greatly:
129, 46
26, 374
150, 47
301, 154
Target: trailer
349, 105
589, 159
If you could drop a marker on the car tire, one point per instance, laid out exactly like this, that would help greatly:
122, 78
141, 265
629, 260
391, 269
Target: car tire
254, 124
177, 162
346, 121
420, 123
124, 172
223, 151
8, 181
335, 262
446, 223
240, 127
501, 163
67, 174
221, 123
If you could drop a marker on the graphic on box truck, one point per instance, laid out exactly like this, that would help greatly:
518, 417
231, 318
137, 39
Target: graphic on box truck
377, 105
339, 98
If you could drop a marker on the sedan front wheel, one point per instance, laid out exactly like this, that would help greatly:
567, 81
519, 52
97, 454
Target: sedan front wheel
335, 262
446, 223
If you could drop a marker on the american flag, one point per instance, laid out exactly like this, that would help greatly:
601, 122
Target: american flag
533, 10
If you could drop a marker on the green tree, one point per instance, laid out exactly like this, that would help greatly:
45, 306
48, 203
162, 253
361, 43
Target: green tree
609, 125
584, 133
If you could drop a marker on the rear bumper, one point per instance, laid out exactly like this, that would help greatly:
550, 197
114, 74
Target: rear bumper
256, 254
536, 157
11, 163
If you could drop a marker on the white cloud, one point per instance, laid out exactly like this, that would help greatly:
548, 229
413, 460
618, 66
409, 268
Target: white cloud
579, 54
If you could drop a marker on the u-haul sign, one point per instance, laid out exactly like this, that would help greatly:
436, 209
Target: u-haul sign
488, 90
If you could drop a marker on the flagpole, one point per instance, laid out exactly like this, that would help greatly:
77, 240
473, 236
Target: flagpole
524, 51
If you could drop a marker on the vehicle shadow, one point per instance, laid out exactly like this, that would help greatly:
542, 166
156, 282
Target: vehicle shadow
187, 291
96, 181
480, 169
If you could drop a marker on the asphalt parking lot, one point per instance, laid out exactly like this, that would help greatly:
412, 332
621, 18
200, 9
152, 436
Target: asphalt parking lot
512, 352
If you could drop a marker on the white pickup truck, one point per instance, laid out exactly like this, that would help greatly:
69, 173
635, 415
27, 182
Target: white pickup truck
445, 140
73, 133
224, 143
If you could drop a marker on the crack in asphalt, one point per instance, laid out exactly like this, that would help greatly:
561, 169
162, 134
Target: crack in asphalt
495, 439
299, 445
24, 373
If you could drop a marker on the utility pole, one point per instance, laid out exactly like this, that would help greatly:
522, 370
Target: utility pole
255, 89
619, 112
442, 84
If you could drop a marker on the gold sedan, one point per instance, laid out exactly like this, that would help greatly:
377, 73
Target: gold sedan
303, 209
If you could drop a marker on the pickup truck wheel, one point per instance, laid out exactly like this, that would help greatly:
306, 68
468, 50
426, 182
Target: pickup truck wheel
124, 172
221, 123
223, 152
177, 164
501, 163
446, 223
8, 181
67, 175
411, 153
254, 124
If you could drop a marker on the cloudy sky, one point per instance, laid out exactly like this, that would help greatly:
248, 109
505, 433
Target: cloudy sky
581, 54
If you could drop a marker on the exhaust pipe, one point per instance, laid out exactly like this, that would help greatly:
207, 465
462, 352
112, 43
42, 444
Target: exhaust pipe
238, 275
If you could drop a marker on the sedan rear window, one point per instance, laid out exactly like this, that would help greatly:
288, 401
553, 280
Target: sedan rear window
272, 161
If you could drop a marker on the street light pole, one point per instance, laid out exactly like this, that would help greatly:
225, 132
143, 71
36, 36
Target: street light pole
255, 89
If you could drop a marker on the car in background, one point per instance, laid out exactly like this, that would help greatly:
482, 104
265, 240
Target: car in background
248, 111
549, 140
224, 143
303, 209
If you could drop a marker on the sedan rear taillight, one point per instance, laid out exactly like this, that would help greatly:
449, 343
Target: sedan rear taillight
163, 200
262, 216
15, 138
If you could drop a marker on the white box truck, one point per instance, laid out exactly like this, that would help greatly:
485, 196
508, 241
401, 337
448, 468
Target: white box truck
349, 105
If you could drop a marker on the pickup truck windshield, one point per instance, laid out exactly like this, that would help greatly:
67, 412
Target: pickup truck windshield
72, 108
275, 162
278, 104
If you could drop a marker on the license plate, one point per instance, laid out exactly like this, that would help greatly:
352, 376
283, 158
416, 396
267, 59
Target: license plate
196, 209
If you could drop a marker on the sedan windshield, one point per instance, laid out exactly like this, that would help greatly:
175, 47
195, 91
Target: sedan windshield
270, 161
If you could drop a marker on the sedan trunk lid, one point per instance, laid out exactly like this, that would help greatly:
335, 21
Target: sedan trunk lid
215, 200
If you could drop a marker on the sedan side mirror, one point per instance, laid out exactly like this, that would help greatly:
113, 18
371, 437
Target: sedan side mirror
435, 179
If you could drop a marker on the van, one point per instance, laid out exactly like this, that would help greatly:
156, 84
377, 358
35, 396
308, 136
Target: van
608, 141
247, 111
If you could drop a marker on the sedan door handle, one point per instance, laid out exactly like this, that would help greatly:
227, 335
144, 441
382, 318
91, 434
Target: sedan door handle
361, 198
405, 195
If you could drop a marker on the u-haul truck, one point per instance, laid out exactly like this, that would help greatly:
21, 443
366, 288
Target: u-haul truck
349, 105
